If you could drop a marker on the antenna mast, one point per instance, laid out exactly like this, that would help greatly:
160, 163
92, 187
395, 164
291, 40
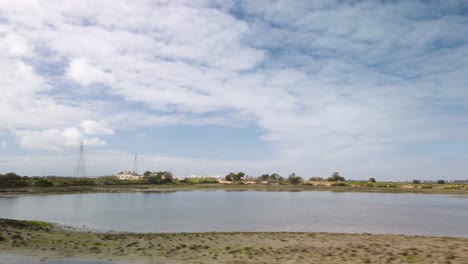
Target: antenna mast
80, 169
135, 164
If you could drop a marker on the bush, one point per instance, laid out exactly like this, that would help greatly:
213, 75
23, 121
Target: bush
372, 180
440, 182
206, 180
12, 179
43, 183
160, 177
416, 181
315, 179
338, 184
108, 180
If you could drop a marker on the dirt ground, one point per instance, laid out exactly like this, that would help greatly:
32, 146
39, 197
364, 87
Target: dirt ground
44, 241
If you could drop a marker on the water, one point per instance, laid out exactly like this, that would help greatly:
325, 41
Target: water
202, 211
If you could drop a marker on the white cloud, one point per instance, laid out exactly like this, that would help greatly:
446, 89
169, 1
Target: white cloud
54, 139
4, 144
91, 127
84, 73
328, 83
14, 46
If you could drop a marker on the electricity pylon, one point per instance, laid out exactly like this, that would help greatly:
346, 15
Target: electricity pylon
80, 169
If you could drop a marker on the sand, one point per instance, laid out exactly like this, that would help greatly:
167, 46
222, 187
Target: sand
43, 241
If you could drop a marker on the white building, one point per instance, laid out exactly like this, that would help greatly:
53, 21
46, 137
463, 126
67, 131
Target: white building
128, 175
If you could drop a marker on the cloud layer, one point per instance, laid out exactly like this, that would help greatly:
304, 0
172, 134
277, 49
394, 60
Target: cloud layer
366, 87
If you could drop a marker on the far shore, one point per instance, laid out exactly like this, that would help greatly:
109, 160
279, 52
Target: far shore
31, 190
44, 241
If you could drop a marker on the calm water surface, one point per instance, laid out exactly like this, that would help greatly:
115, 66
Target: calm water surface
200, 211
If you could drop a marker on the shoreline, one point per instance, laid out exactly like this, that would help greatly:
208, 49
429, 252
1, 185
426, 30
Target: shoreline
11, 192
46, 241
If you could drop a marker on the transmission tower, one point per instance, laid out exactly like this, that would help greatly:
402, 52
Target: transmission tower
80, 169
135, 164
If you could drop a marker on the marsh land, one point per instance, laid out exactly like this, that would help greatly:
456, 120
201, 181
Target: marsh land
44, 240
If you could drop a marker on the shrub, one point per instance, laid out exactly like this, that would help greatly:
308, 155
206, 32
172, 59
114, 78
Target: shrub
440, 182
426, 186
315, 179
108, 180
338, 184
416, 181
201, 180
372, 180
12, 179
43, 183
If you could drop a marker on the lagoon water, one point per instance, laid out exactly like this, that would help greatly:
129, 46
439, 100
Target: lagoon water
202, 211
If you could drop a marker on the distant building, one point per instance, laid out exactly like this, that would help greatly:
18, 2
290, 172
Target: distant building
128, 175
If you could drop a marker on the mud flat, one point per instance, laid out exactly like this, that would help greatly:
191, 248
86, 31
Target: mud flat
47, 241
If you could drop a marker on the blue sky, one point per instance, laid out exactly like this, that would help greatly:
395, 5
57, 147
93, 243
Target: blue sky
366, 88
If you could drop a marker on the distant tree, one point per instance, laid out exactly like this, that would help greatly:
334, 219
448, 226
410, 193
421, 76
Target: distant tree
238, 176
12, 179
372, 180
416, 181
336, 177
294, 179
440, 182
264, 177
160, 177
280, 180
11, 176
155, 179
230, 176
168, 176
275, 177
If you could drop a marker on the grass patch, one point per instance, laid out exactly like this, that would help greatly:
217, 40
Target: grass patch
25, 224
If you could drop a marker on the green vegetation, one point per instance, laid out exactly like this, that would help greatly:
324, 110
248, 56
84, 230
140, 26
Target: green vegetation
12, 179
199, 181
12, 183
339, 184
43, 183
336, 177
236, 177
274, 178
46, 241
315, 179
294, 179
25, 224
160, 177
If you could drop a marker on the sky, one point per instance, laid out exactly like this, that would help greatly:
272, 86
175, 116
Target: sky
365, 88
